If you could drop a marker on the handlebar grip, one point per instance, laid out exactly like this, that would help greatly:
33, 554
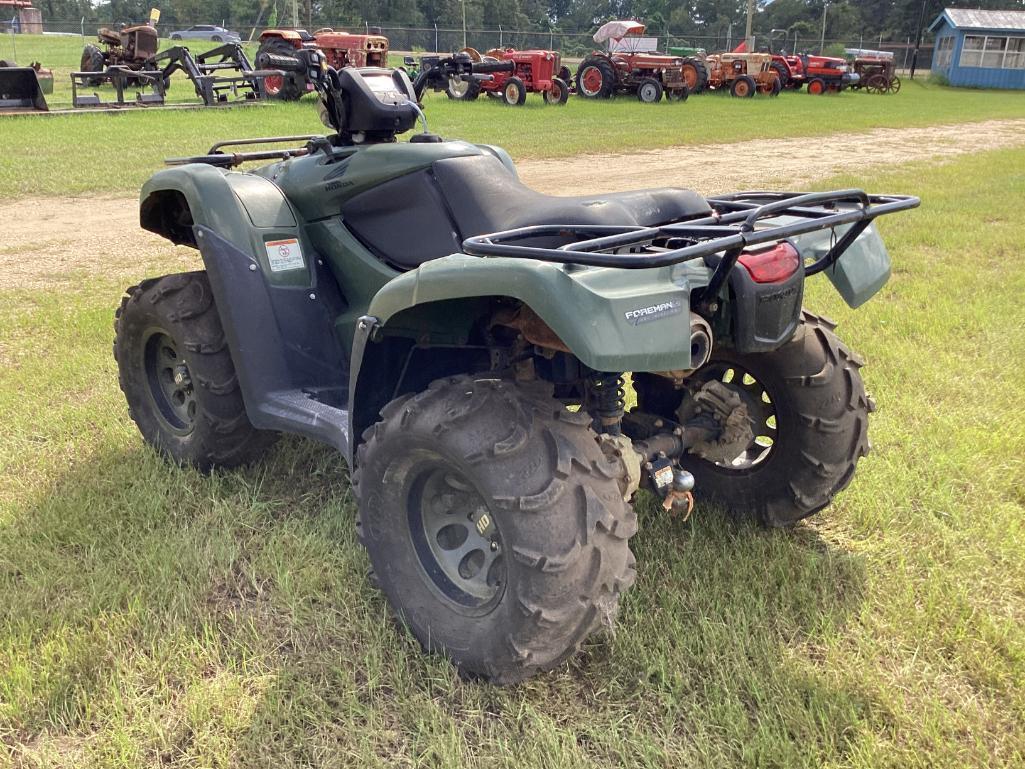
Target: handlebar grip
482, 68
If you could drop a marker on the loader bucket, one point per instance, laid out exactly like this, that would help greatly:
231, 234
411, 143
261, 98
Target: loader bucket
20, 91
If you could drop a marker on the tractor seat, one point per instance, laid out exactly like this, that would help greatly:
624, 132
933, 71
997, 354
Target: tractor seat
427, 214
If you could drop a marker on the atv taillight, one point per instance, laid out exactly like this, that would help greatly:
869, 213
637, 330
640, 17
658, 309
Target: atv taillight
773, 264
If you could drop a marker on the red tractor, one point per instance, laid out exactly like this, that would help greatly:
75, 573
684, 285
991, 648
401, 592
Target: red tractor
341, 49
822, 74
632, 65
535, 72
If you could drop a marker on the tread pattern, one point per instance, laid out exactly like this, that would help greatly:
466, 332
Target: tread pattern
183, 305
558, 506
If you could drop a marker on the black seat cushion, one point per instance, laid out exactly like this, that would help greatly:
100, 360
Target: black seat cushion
427, 214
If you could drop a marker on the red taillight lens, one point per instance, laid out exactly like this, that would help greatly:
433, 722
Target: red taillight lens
771, 265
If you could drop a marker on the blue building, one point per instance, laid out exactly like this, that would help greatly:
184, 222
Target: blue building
980, 49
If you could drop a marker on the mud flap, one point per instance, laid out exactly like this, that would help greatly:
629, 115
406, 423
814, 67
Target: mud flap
20, 91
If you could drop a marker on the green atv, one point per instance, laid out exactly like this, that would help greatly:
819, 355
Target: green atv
463, 341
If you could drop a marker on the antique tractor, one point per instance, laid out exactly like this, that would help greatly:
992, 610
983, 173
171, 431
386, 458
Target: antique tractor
822, 74
340, 49
632, 65
742, 74
533, 71
127, 47
875, 70
464, 342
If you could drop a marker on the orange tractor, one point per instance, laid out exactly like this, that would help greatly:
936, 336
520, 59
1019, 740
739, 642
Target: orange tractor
533, 71
743, 74
341, 49
633, 65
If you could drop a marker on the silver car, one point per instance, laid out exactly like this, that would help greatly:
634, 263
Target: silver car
207, 32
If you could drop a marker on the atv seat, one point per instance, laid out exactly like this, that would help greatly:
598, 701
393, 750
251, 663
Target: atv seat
427, 214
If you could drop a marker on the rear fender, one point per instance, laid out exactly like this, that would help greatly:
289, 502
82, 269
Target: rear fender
612, 320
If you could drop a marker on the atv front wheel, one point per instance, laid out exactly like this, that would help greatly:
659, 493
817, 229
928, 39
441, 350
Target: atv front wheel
809, 415
178, 377
494, 523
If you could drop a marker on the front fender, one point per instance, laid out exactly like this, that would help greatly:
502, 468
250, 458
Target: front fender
611, 319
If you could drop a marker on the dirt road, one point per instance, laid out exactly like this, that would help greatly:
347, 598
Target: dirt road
59, 240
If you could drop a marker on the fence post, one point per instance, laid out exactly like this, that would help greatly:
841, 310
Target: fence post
83, 29
906, 47
501, 37
436, 50
551, 39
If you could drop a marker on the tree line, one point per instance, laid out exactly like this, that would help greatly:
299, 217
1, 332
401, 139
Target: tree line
844, 20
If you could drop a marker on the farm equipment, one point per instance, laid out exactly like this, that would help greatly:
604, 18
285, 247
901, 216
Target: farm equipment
128, 48
532, 71
822, 74
340, 49
208, 72
633, 65
23, 89
742, 74
875, 69
462, 340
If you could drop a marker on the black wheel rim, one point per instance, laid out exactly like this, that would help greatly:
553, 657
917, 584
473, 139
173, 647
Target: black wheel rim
761, 410
456, 537
170, 382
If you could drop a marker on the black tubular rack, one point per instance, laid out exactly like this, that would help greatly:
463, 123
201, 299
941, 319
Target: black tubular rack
736, 222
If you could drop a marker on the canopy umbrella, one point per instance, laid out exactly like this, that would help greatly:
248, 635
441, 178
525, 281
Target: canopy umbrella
614, 30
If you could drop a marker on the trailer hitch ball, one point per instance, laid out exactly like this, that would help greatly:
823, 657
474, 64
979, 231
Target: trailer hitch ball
700, 341
679, 500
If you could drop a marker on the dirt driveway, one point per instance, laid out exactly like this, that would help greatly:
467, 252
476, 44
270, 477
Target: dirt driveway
57, 240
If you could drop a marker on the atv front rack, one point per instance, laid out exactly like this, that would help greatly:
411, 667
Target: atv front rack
737, 221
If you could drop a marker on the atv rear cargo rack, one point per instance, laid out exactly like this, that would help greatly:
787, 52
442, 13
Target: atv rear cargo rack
736, 222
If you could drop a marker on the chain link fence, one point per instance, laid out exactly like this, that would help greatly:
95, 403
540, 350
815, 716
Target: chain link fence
432, 38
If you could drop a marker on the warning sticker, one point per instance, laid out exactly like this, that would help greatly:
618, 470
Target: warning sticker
284, 255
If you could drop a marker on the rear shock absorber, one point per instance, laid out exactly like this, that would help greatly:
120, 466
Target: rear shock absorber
606, 400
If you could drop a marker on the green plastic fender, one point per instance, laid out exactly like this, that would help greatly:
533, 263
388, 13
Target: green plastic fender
247, 210
611, 319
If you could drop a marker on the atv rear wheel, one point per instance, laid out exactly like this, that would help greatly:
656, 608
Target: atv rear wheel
178, 377
494, 523
810, 414
289, 87
596, 78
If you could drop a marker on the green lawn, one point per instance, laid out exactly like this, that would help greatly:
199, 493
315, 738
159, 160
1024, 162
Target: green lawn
75, 154
150, 615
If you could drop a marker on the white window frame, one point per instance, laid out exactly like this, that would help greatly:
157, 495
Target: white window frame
1011, 52
944, 52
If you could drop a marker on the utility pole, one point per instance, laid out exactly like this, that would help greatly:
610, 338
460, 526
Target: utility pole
918, 39
295, 14
822, 40
748, 39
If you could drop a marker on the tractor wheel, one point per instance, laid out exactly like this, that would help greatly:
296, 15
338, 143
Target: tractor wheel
92, 61
494, 524
514, 92
565, 75
677, 94
776, 87
596, 78
816, 86
649, 91
781, 72
559, 92
877, 84
894, 84
288, 87
744, 87
695, 74
810, 411
177, 375
462, 90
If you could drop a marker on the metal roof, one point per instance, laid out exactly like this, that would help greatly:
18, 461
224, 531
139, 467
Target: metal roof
967, 18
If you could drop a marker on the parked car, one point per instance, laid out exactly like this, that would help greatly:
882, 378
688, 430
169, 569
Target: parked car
207, 32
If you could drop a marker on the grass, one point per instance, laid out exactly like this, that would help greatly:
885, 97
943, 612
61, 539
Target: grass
72, 154
151, 615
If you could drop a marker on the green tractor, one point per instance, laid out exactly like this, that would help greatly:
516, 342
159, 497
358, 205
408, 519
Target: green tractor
465, 342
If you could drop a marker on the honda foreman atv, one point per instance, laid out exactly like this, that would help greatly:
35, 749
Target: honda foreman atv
465, 343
